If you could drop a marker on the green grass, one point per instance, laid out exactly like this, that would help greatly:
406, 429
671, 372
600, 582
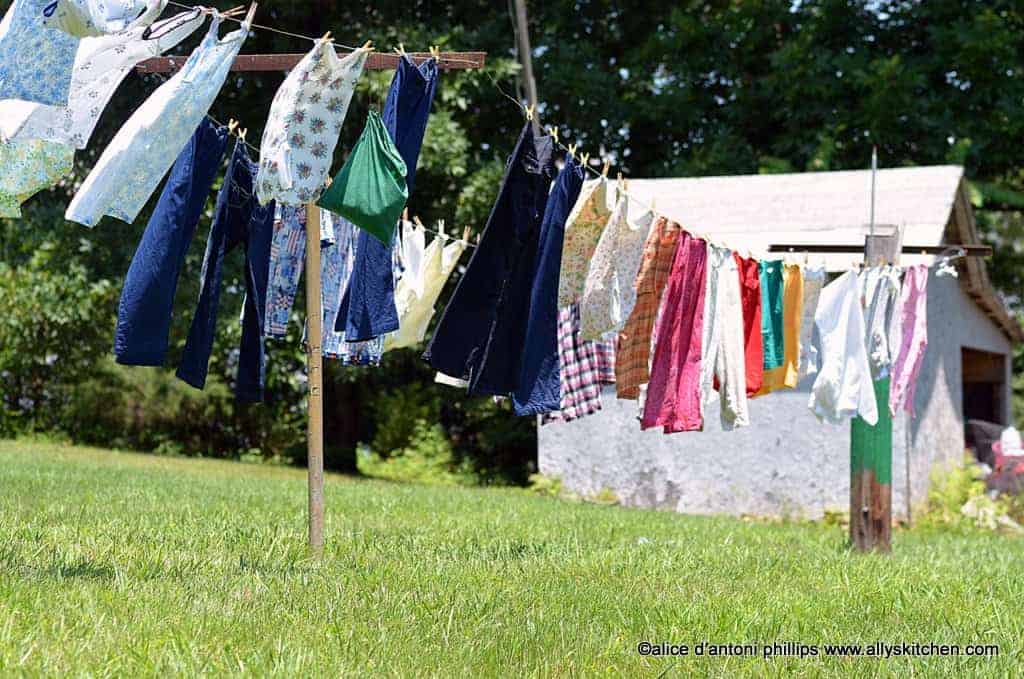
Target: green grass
115, 564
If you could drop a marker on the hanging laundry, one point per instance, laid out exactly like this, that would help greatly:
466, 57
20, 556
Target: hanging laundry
772, 284
102, 63
814, 279
881, 286
538, 391
370, 189
913, 340
673, 394
35, 62
287, 258
482, 331
90, 18
147, 298
583, 230
722, 354
437, 267
144, 149
584, 367
633, 345
608, 292
843, 387
413, 253
239, 221
753, 340
370, 310
305, 121
786, 375
27, 167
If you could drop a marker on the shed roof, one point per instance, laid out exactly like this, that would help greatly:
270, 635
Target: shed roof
750, 212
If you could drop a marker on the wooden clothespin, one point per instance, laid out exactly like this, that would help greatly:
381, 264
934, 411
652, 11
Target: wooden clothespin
233, 11
604, 170
416, 220
572, 150
440, 227
529, 113
232, 124
242, 133
400, 50
584, 159
554, 134
327, 36
368, 45
465, 234
435, 52
405, 215
250, 15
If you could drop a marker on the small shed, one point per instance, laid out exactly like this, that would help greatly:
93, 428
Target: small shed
787, 463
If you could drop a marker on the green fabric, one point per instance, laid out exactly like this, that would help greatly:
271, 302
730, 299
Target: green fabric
370, 190
771, 313
871, 447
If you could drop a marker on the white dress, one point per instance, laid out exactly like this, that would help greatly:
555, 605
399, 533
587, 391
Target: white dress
843, 387
609, 294
438, 264
304, 124
147, 145
90, 18
100, 66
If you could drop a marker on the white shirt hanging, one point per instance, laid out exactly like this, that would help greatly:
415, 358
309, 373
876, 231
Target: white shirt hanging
90, 18
100, 66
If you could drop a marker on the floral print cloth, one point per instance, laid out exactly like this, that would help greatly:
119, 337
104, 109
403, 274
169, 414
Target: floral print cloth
27, 167
305, 120
102, 63
35, 62
90, 18
146, 146
608, 294
582, 231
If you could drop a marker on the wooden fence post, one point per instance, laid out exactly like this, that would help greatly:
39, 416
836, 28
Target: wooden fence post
314, 360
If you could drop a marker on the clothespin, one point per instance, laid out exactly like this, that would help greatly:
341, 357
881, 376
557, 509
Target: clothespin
465, 234
232, 124
368, 45
478, 239
233, 11
607, 166
435, 52
242, 133
572, 150
554, 134
405, 214
400, 50
529, 112
327, 36
416, 220
653, 202
248, 17
584, 159
440, 227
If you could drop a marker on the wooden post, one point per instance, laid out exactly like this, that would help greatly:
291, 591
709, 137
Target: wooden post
871, 446
314, 359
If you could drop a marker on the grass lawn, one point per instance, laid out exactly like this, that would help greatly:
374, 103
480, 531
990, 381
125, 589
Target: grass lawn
116, 564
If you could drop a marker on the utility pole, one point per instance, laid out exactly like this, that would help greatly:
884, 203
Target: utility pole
526, 59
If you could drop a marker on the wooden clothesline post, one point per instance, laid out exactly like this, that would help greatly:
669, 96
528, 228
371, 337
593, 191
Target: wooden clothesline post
265, 63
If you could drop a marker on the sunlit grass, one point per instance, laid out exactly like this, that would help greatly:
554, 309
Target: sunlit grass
115, 564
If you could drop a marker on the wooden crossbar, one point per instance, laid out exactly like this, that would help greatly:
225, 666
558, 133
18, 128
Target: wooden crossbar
377, 61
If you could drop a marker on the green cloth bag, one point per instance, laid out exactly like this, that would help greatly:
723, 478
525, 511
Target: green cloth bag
370, 190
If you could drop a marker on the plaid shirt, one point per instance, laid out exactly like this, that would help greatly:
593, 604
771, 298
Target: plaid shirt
584, 367
633, 351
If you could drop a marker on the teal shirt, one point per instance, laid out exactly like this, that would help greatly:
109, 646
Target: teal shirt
771, 312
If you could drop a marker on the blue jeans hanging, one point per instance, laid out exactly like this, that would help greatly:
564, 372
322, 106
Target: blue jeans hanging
239, 221
368, 306
481, 335
147, 298
539, 390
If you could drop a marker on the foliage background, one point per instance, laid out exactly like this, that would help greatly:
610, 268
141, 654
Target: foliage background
663, 89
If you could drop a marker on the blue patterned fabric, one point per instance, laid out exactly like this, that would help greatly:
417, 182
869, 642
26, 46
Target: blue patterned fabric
35, 61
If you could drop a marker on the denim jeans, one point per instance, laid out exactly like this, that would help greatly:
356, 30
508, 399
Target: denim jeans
481, 335
239, 221
144, 313
368, 306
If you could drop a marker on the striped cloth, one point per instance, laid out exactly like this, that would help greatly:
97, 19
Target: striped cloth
584, 366
633, 349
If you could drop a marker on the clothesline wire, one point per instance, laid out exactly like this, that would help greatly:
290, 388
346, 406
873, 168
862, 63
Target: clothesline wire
301, 36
